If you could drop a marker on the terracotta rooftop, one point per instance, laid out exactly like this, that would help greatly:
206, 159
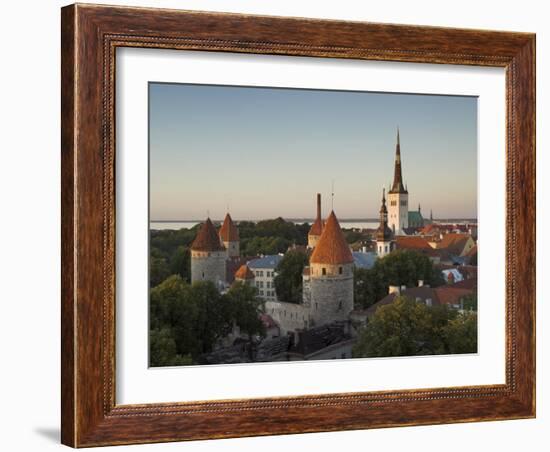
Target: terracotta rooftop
412, 242
317, 226
244, 273
452, 295
228, 231
207, 238
454, 242
332, 247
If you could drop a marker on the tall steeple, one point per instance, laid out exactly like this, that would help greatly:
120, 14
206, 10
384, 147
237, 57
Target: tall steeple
398, 197
397, 186
383, 233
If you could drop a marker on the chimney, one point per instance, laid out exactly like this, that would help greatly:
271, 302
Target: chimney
318, 205
420, 282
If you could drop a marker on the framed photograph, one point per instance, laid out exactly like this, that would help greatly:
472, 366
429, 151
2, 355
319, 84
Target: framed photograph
281, 225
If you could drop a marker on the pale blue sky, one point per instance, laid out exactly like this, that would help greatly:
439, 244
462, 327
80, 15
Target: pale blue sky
266, 152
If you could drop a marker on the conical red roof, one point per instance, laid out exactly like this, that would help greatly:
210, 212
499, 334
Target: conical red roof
228, 231
207, 238
332, 247
244, 272
317, 226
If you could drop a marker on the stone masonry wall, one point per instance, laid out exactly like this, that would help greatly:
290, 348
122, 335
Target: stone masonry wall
209, 266
331, 297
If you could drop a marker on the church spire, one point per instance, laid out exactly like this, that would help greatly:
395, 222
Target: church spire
383, 233
397, 186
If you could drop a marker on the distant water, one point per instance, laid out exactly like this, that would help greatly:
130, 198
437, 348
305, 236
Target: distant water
175, 225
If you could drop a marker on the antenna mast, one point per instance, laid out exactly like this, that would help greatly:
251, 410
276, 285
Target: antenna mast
332, 196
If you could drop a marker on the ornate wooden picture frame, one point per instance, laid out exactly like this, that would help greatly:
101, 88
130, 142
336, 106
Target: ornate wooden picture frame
90, 37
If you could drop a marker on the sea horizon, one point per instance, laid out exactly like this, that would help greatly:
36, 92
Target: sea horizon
345, 223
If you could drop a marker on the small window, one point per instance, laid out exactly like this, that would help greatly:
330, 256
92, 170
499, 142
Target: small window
340, 270
324, 271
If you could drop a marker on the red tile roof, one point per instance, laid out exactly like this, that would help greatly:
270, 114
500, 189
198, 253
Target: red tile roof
454, 242
451, 294
207, 238
228, 231
428, 229
412, 242
332, 247
316, 227
244, 272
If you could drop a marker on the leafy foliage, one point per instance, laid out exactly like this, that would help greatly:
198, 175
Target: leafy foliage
288, 282
460, 333
469, 302
187, 321
410, 328
400, 267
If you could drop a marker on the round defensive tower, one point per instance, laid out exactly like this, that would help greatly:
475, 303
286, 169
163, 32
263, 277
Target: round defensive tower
331, 276
208, 256
229, 236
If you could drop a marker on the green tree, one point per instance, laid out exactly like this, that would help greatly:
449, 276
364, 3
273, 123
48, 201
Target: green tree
264, 245
469, 302
158, 271
400, 267
288, 282
173, 306
180, 263
364, 288
460, 333
246, 307
163, 351
402, 328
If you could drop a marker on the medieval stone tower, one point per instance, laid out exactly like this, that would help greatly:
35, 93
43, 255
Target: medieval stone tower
384, 236
229, 236
331, 276
208, 256
317, 227
398, 197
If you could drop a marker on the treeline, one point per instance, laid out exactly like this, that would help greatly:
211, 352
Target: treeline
187, 321
271, 236
169, 251
410, 328
399, 268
